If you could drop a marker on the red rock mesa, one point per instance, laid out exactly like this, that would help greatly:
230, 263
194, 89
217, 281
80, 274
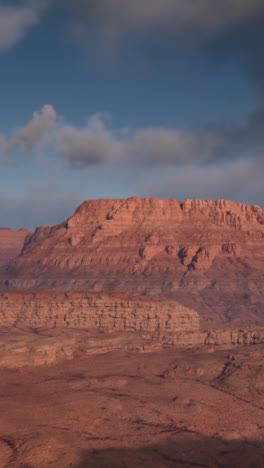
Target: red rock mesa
206, 254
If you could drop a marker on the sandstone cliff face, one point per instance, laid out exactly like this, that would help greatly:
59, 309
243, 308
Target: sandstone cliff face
218, 337
208, 254
95, 311
42, 328
11, 243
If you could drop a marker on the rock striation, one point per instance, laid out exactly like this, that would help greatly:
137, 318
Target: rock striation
218, 337
42, 328
21, 347
103, 311
11, 243
206, 254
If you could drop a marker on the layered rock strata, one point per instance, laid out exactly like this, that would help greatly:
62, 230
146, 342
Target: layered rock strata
218, 337
47, 346
42, 328
207, 254
112, 312
11, 243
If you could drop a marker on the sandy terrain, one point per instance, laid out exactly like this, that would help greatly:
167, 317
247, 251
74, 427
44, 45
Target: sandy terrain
129, 407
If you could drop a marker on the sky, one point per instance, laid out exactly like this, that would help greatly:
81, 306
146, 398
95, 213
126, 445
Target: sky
114, 98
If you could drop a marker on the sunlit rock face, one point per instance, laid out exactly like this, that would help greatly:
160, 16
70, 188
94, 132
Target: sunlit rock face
103, 311
206, 254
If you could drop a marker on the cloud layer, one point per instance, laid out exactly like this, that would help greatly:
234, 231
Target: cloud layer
16, 20
166, 162
230, 28
113, 19
205, 17
227, 30
92, 144
190, 163
37, 131
239, 180
97, 143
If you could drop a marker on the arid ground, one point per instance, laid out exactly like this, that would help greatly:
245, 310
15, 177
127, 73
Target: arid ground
130, 407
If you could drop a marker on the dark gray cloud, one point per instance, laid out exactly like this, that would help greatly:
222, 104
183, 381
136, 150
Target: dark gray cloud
97, 143
230, 28
242, 43
221, 30
250, 132
16, 20
203, 17
89, 145
173, 146
35, 133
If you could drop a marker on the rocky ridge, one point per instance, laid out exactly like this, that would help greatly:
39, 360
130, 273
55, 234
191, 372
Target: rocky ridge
206, 254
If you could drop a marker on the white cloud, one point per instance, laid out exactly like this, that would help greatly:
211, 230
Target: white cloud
35, 133
15, 21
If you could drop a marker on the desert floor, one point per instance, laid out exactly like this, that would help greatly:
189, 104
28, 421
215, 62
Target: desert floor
199, 407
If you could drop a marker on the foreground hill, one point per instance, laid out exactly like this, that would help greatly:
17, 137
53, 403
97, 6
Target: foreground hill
11, 243
207, 254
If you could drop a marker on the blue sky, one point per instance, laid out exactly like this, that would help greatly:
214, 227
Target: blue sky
145, 98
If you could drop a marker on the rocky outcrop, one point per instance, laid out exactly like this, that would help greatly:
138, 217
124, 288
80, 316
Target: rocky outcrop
20, 347
11, 243
42, 328
218, 337
207, 254
112, 312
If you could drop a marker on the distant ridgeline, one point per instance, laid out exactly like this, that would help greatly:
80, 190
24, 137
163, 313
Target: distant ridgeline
11, 244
